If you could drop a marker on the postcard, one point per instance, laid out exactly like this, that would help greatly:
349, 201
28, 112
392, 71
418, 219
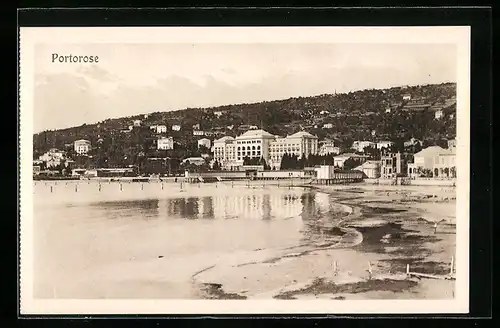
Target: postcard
244, 170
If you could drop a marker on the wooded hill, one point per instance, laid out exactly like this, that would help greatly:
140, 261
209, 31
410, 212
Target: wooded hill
353, 116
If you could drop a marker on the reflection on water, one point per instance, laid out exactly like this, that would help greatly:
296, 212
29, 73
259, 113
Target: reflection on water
118, 248
308, 206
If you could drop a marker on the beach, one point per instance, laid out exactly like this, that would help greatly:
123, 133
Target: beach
242, 240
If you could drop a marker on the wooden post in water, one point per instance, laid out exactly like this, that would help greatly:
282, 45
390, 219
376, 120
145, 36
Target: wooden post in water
452, 265
142, 186
162, 186
76, 188
369, 270
50, 188
121, 187
99, 186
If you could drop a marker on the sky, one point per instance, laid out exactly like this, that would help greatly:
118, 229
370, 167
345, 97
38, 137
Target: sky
142, 78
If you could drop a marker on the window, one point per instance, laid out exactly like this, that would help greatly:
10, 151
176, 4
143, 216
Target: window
253, 147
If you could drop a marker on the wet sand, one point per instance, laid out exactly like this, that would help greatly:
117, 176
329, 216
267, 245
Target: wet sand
387, 228
358, 250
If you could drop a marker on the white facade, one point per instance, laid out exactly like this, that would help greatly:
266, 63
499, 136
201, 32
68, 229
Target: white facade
176, 127
424, 159
328, 126
360, 145
137, 123
196, 126
325, 172
438, 114
300, 143
384, 144
198, 133
328, 148
82, 146
230, 152
205, 142
412, 142
165, 143
194, 160
407, 97
370, 168
161, 129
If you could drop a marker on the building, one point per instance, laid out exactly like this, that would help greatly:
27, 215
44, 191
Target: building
328, 126
384, 144
371, 169
299, 144
52, 158
130, 127
253, 127
224, 150
205, 142
82, 146
423, 161
198, 133
231, 152
196, 126
452, 143
444, 164
438, 114
194, 160
406, 97
153, 127
218, 113
137, 123
176, 127
165, 143
412, 142
253, 144
161, 129
361, 145
392, 165
328, 147
388, 110
338, 161
325, 172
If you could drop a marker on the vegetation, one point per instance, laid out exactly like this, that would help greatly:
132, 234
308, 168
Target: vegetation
359, 115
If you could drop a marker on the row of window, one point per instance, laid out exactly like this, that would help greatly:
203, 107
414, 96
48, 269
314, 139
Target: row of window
249, 142
248, 148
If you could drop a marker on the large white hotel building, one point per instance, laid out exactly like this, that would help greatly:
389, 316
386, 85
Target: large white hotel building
230, 152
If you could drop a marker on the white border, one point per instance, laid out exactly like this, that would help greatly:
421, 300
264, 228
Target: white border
59, 35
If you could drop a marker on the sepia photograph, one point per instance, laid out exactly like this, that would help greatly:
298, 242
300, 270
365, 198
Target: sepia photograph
231, 170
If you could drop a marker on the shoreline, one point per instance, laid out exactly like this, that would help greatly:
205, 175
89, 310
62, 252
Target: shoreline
380, 271
380, 227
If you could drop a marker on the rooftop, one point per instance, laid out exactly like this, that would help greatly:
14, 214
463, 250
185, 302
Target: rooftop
255, 134
429, 151
302, 134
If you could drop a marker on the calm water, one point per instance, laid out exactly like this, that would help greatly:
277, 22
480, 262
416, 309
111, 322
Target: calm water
148, 240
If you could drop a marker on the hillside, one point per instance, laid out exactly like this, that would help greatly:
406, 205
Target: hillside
353, 116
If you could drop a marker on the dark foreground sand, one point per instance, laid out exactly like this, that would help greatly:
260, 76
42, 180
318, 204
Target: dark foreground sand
360, 255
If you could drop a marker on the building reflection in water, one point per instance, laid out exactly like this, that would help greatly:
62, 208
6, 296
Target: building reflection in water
258, 206
144, 208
